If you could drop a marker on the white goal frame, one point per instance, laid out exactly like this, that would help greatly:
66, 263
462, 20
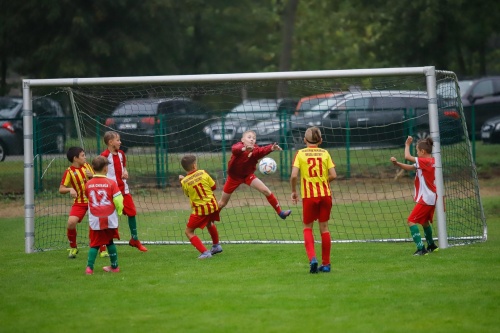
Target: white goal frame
428, 71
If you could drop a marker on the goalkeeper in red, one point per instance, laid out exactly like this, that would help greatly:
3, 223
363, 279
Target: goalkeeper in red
317, 170
241, 167
199, 187
105, 204
425, 194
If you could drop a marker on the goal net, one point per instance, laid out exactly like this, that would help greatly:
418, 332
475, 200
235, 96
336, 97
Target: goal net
365, 118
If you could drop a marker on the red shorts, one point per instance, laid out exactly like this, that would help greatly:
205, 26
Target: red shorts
128, 205
102, 237
232, 184
79, 210
316, 209
201, 221
421, 214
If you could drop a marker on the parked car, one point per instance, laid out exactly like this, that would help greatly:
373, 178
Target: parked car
490, 131
275, 130
173, 123
244, 116
49, 129
369, 119
447, 89
484, 96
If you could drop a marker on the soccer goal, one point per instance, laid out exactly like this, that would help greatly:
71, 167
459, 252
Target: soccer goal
365, 116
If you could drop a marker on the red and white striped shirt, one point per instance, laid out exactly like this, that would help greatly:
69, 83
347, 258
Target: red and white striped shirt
425, 187
117, 163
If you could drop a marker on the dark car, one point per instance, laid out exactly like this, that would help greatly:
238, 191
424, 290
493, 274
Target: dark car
483, 96
244, 117
48, 121
175, 124
490, 131
370, 119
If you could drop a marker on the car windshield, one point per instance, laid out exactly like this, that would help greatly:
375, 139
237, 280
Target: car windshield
254, 110
9, 107
309, 104
136, 109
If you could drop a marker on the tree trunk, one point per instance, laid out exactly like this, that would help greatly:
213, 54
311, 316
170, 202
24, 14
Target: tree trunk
286, 42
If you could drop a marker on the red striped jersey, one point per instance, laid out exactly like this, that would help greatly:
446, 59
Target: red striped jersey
199, 187
117, 162
76, 178
314, 164
425, 187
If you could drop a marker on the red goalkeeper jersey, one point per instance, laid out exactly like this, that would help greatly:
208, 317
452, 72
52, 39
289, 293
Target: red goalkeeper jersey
244, 163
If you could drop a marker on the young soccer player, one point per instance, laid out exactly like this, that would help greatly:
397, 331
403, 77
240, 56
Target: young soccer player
317, 170
425, 194
199, 187
241, 167
105, 204
117, 170
73, 182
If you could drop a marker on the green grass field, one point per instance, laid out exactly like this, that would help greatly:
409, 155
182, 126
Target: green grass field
254, 288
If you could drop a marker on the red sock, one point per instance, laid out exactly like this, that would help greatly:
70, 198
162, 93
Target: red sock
309, 243
102, 248
274, 203
196, 241
326, 246
71, 233
212, 230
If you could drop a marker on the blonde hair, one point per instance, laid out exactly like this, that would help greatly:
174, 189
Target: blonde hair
110, 135
248, 131
313, 135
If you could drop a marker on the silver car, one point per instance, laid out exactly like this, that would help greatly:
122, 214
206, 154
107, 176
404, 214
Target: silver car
228, 130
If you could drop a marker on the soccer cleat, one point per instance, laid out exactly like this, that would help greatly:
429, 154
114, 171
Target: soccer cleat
138, 245
110, 269
72, 252
325, 268
103, 254
313, 266
421, 252
205, 255
216, 249
432, 248
285, 213
89, 271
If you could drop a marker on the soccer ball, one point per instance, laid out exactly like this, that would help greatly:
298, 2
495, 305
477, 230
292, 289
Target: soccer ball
267, 166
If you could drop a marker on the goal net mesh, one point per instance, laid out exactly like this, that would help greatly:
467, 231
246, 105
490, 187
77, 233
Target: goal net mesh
371, 198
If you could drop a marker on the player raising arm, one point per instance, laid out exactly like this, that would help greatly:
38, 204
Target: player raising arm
425, 195
241, 167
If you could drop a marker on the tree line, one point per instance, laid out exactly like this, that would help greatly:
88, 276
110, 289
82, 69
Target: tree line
101, 38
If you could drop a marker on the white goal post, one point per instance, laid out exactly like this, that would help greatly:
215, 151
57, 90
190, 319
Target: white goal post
428, 73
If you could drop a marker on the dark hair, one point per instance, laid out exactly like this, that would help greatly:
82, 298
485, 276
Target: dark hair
425, 144
99, 162
109, 135
73, 152
188, 161
313, 135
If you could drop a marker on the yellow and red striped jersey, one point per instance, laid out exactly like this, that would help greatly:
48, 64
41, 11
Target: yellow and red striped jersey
76, 178
314, 164
199, 187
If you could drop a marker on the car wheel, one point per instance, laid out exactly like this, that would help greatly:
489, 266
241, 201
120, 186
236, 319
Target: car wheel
3, 152
60, 142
